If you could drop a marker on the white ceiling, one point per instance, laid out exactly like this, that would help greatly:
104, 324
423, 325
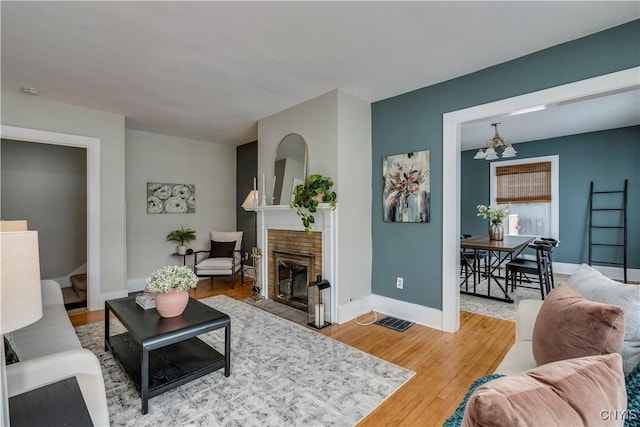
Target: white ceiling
210, 70
609, 111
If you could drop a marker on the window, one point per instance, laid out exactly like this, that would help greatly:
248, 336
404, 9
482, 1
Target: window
531, 187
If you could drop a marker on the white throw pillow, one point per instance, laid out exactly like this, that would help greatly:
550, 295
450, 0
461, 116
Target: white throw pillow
594, 286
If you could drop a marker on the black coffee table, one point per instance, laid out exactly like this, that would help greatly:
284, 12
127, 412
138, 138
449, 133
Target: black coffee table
159, 353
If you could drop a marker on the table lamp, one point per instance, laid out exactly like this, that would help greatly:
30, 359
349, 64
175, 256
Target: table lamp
251, 200
20, 292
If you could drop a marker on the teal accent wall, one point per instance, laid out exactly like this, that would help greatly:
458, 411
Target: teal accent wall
246, 170
607, 158
413, 122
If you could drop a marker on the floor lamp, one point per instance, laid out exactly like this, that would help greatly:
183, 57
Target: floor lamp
20, 292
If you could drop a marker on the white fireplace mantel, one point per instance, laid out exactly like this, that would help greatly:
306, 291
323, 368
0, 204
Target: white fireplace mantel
283, 217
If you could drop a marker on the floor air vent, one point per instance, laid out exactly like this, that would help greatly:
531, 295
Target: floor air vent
394, 323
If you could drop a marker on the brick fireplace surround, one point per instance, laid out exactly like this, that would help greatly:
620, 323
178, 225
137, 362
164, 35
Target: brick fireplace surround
293, 241
280, 228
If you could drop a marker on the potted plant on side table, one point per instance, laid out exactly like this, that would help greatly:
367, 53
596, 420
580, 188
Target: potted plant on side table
171, 284
315, 190
182, 236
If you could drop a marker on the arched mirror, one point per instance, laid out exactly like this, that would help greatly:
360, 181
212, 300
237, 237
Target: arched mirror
290, 167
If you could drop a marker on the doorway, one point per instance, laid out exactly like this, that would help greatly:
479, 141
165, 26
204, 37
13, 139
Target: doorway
621, 80
92, 146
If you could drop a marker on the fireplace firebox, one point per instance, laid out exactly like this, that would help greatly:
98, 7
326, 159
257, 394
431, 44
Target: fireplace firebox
293, 273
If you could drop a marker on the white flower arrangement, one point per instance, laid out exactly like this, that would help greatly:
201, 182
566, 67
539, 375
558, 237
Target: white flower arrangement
171, 277
495, 215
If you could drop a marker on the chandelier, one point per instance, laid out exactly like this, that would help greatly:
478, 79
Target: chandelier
490, 153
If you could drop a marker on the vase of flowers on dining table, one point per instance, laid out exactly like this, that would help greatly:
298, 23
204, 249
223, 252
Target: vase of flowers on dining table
495, 216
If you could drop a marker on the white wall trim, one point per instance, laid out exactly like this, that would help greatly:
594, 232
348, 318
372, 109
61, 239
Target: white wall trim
621, 80
353, 309
416, 313
555, 186
92, 146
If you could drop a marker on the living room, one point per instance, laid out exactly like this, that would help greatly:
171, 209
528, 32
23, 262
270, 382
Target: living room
126, 244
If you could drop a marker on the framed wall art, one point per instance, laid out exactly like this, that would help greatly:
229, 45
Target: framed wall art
406, 193
164, 198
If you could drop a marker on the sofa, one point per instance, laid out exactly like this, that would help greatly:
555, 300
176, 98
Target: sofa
49, 351
519, 358
575, 361
593, 286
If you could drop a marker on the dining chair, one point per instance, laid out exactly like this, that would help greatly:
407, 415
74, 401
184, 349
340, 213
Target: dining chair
540, 267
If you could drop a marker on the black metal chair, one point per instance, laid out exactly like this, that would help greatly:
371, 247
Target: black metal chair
540, 267
470, 264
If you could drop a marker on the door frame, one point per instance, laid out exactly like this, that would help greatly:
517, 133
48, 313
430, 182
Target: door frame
92, 145
452, 124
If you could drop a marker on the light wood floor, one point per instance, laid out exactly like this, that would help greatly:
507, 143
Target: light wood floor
445, 364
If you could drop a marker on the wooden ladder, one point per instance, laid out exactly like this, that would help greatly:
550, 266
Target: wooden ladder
614, 224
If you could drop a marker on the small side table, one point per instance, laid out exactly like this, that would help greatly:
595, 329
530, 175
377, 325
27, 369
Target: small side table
184, 257
57, 404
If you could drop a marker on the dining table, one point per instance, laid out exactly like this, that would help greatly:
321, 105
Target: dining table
498, 252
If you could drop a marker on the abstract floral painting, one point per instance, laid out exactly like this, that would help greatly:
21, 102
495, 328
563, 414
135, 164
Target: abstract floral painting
170, 198
407, 187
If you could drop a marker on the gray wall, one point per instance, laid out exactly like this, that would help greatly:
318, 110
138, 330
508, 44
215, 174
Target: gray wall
413, 122
37, 112
47, 185
607, 158
151, 157
246, 170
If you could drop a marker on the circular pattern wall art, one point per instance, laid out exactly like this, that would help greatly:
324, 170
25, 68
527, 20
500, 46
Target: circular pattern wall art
170, 198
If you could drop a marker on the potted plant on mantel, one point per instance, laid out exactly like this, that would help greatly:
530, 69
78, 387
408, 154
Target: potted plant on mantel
182, 236
315, 190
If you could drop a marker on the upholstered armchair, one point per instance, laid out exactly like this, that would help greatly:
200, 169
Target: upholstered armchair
223, 258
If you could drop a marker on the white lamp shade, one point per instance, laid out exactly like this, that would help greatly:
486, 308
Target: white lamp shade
20, 292
251, 200
491, 154
509, 152
480, 155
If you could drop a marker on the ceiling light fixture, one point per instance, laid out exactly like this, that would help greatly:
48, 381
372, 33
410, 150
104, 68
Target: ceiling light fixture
490, 153
30, 90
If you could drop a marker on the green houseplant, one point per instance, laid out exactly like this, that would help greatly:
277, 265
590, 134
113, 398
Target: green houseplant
315, 190
182, 236
496, 216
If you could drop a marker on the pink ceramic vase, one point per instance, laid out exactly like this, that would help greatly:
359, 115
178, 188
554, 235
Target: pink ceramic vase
172, 303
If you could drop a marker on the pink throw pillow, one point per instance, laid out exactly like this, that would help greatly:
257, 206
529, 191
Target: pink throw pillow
570, 326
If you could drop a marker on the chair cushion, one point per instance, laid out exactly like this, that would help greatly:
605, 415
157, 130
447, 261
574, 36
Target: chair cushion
228, 236
565, 393
570, 326
217, 266
221, 249
594, 286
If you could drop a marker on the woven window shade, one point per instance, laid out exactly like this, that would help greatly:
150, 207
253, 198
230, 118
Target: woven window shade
525, 183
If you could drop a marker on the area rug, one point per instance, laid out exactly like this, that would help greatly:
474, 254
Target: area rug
493, 308
282, 374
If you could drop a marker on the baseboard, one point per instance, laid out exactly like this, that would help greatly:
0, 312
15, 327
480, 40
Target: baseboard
615, 273
416, 313
353, 309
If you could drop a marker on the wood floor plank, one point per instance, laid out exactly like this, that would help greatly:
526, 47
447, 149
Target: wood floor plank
445, 364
